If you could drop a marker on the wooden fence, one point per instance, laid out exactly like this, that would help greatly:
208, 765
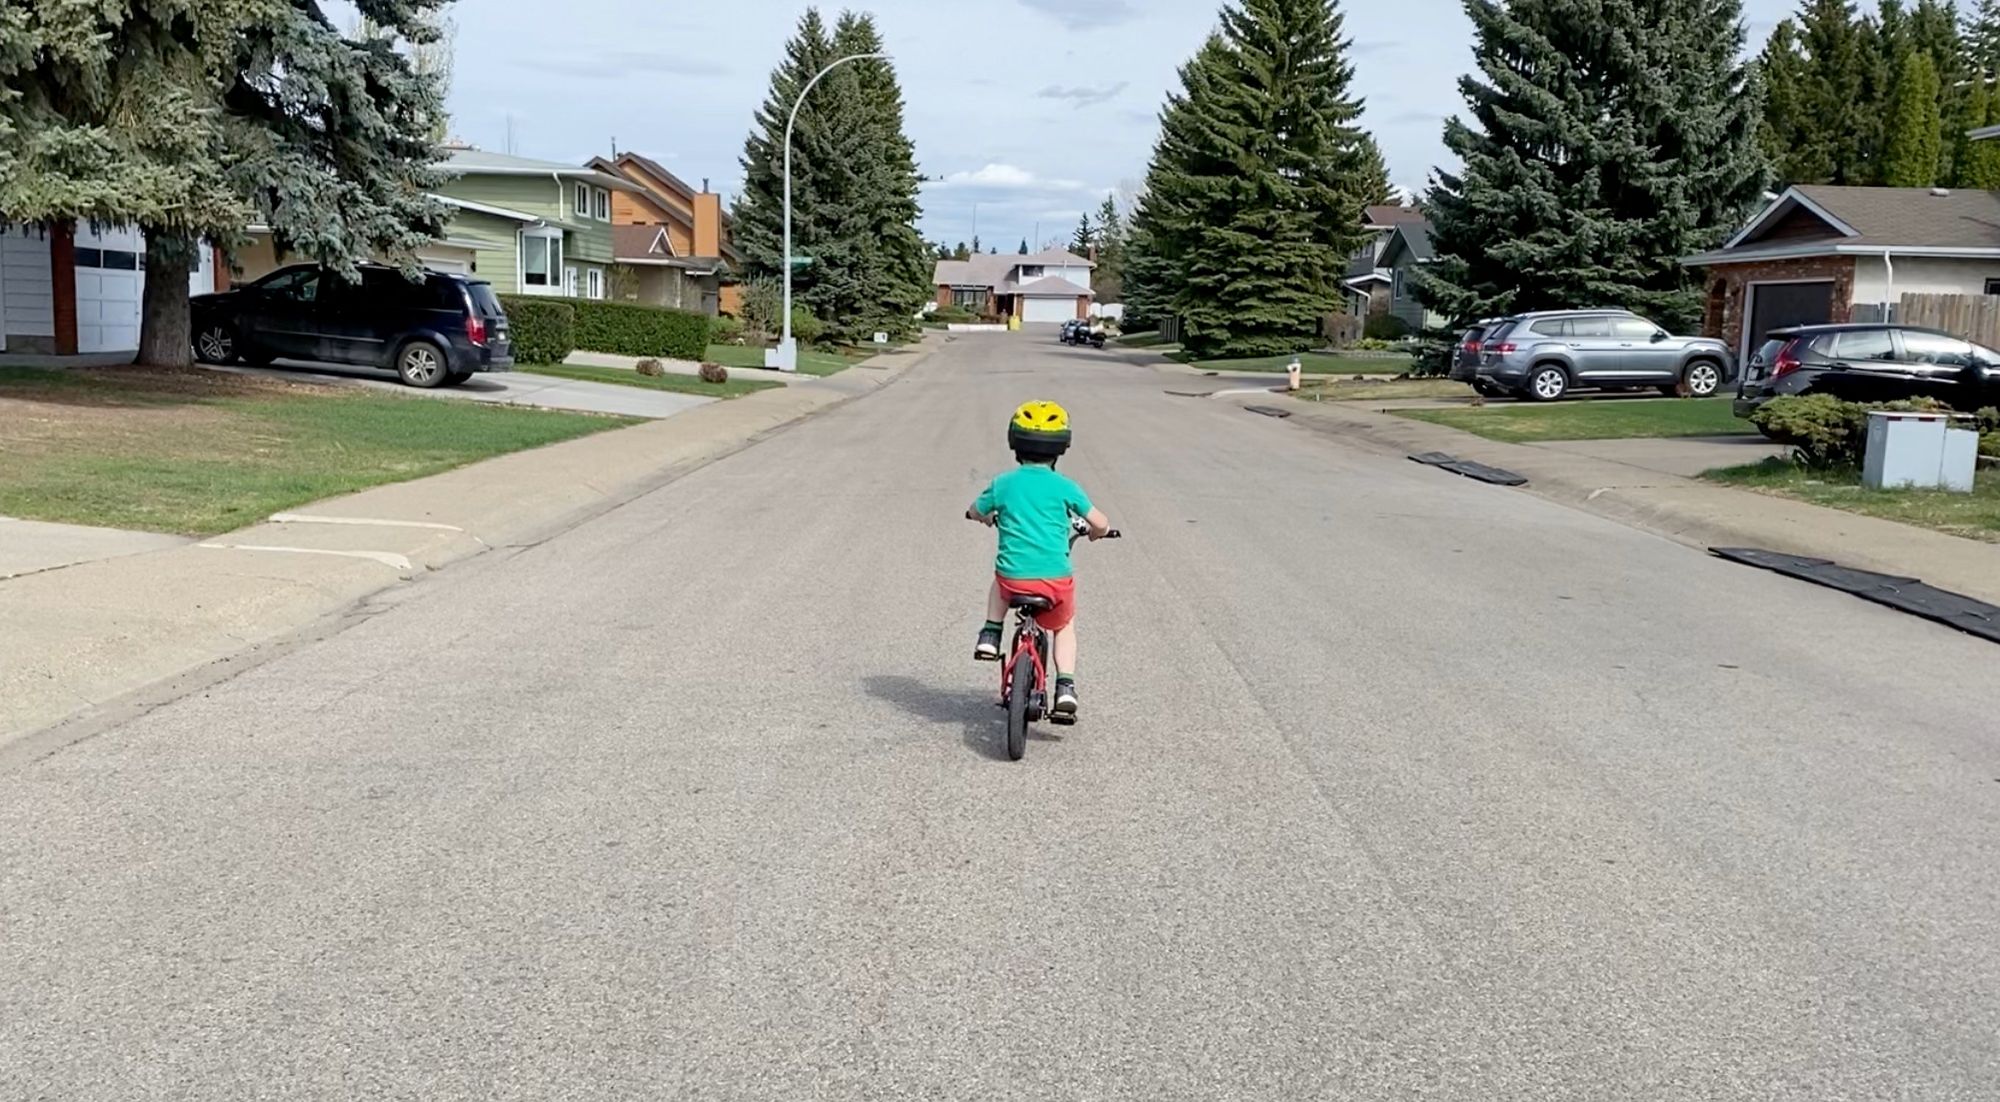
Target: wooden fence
1973, 317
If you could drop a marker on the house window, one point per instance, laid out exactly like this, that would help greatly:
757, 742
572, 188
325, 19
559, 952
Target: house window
541, 258
1396, 287
1993, 286
569, 282
1030, 271
969, 298
581, 204
600, 205
593, 283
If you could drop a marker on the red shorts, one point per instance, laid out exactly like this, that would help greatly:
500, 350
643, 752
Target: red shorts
1061, 594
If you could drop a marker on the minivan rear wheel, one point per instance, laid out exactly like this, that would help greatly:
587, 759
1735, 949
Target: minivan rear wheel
1547, 383
215, 343
421, 364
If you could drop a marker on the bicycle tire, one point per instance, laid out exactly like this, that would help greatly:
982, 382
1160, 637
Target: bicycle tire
1020, 686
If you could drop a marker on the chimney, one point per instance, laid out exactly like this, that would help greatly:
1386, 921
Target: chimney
1093, 253
707, 223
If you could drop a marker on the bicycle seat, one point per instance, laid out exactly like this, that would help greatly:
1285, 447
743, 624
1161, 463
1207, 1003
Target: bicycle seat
1028, 602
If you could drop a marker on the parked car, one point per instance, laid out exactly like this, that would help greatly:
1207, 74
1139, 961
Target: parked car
1872, 362
1080, 332
1546, 354
436, 331
1465, 356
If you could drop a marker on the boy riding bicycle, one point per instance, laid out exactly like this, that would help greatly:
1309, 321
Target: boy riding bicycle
1033, 506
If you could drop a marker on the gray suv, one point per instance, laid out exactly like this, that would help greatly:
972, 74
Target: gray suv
1543, 355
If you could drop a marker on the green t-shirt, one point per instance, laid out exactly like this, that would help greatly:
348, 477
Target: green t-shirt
1035, 505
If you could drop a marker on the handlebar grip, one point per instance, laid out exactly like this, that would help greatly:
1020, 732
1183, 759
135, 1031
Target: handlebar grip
1114, 534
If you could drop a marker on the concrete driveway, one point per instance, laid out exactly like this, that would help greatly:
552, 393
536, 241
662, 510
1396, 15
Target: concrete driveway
1686, 456
1389, 785
513, 388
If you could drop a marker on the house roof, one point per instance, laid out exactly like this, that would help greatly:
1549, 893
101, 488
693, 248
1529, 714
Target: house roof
1822, 220
1411, 237
1386, 214
674, 183
641, 241
991, 269
465, 161
486, 208
1051, 287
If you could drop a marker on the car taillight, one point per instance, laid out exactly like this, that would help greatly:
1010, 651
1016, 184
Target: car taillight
1471, 346
1786, 360
475, 329
1502, 348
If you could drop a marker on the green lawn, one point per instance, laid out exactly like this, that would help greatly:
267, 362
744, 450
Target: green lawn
1605, 419
812, 361
1150, 339
199, 452
680, 384
1361, 390
1976, 514
1312, 363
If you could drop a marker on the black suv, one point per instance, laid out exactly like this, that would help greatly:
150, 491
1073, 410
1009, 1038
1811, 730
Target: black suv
435, 331
1869, 363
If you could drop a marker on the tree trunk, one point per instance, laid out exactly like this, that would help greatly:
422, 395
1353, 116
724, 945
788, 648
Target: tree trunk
165, 335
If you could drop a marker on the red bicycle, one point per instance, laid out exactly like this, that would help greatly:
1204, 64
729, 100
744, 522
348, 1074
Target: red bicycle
1024, 677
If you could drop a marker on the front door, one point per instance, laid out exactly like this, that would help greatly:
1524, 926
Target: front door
284, 320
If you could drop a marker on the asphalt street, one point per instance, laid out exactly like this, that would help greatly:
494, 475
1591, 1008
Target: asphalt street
1389, 785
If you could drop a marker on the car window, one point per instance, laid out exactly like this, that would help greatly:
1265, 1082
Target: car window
1767, 352
1930, 348
1864, 344
1984, 356
300, 286
1633, 329
1551, 327
1590, 327
1499, 331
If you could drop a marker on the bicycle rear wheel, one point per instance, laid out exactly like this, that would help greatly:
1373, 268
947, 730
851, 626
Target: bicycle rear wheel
1020, 686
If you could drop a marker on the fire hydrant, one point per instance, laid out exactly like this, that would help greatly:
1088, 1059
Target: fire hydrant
1292, 374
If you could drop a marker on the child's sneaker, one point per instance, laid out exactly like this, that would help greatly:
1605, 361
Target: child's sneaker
988, 648
1065, 697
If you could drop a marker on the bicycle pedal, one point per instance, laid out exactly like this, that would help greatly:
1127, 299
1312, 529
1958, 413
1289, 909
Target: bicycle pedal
1063, 719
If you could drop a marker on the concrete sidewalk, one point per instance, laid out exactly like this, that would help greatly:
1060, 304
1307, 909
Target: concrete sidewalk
1700, 514
32, 546
509, 388
80, 636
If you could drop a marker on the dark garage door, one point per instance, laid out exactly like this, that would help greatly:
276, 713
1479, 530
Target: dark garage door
1777, 305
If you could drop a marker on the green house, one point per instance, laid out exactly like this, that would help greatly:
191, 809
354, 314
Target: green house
528, 227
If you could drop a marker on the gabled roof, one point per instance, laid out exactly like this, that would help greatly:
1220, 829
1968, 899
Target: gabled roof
465, 161
667, 180
1411, 238
1385, 215
1051, 287
1824, 220
992, 269
641, 241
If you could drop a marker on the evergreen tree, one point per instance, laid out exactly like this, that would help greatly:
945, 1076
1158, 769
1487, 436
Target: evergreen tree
1787, 131
192, 121
961, 252
1255, 188
975, 242
894, 273
1980, 167
1914, 135
1820, 70
1377, 189
1982, 37
1108, 280
1024, 247
1084, 237
1597, 154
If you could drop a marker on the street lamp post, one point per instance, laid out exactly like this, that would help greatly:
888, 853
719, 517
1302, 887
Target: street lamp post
785, 357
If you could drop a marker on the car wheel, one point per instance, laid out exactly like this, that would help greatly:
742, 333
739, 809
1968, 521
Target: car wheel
1487, 390
215, 343
421, 364
1703, 378
457, 378
1548, 383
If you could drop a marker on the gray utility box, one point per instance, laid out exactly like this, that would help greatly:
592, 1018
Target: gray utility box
1918, 451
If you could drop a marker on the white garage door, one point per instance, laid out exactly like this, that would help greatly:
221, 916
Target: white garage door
1049, 310
444, 263
107, 288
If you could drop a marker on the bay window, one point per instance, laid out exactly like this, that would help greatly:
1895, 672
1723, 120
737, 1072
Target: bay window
541, 261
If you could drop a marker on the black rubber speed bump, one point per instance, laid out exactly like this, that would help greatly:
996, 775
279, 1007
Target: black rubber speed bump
1956, 610
1496, 475
1269, 411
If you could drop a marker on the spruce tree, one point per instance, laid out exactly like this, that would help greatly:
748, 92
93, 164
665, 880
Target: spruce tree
1023, 250
893, 268
1982, 37
1108, 280
1598, 152
1255, 189
1376, 189
1084, 237
1914, 136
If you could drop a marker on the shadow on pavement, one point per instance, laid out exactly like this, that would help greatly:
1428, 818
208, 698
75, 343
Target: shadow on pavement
983, 727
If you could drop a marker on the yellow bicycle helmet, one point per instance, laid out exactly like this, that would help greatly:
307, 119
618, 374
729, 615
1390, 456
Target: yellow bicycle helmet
1039, 430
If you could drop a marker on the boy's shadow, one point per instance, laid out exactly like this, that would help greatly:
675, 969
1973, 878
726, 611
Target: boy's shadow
982, 727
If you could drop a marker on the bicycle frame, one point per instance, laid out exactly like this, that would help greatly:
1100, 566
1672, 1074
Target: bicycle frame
1029, 636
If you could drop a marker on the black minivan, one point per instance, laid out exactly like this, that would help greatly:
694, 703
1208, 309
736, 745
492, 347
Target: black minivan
437, 330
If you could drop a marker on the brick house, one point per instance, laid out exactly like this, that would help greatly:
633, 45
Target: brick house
1036, 287
1820, 254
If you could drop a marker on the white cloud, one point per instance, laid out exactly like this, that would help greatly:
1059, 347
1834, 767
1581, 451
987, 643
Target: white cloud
1006, 177
1085, 14
1082, 95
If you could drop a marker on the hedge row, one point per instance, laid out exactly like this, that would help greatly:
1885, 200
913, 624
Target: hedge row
543, 330
547, 330
627, 329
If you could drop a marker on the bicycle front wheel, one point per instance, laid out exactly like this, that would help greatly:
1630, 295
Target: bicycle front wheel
1020, 687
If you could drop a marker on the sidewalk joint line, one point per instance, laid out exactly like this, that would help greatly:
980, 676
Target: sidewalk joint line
386, 558
311, 518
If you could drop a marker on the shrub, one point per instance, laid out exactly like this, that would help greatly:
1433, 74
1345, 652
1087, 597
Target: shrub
1385, 327
763, 307
1340, 330
626, 329
1825, 431
953, 315
725, 329
806, 328
651, 367
543, 331
714, 373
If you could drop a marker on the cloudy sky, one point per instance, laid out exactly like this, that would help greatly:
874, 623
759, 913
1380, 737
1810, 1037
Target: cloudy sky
1024, 112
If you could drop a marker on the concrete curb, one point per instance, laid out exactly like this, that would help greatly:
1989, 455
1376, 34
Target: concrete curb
81, 639
1699, 514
